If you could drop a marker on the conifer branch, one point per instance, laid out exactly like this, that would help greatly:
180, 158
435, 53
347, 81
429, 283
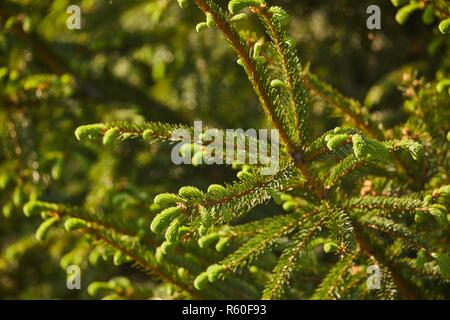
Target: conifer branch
357, 114
260, 243
347, 166
405, 288
144, 259
92, 220
365, 152
288, 260
254, 71
125, 130
341, 229
273, 19
397, 231
250, 229
428, 270
257, 245
318, 149
387, 203
223, 204
261, 85
334, 281
243, 195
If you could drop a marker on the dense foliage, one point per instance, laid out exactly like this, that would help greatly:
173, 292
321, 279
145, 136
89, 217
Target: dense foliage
86, 123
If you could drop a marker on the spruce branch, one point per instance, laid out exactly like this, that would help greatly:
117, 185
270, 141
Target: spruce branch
395, 230
144, 260
429, 270
254, 189
341, 228
119, 234
249, 229
356, 114
267, 238
334, 282
125, 130
273, 19
261, 84
222, 204
251, 250
387, 203
255, 71
321, 148
372, 248
289, 259
366, 152
344, 168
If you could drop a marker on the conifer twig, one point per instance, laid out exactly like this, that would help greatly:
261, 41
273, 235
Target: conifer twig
261, 90
243, 53
290, 66
352, 108
404, 287
143, 263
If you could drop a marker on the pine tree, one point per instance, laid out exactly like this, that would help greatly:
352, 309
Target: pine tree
348, 198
